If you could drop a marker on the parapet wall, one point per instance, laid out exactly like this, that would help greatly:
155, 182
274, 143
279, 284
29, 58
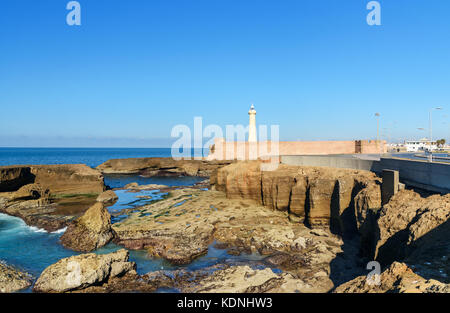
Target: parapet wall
240, 150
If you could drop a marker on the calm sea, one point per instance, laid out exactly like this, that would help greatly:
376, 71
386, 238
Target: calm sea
89, 156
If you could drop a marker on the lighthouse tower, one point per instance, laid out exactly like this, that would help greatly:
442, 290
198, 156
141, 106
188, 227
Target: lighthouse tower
252, 125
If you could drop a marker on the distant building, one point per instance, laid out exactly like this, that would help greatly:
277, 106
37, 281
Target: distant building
420, 145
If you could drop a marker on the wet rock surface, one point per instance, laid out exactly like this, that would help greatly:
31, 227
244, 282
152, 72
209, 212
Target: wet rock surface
181, 227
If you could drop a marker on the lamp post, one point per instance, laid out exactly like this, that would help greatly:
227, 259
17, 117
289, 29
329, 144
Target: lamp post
431, 132
431, 122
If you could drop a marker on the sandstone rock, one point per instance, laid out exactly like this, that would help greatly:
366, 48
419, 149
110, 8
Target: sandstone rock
161, 166
397, 278
367, 204
89, 232
68, 179
81, 271
136, 186
131, 185
49, 196
12, 280
181, 227
316, 195
243, 279
410, 225
14, 177
30, 192
108, 196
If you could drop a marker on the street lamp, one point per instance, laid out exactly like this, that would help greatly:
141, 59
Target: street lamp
431, 133
431, 124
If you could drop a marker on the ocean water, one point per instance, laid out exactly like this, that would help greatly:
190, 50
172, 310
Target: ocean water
89, 156
32, 250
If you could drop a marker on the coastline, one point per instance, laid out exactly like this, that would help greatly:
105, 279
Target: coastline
287, 217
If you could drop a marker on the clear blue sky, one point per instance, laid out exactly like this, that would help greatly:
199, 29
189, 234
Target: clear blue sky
134, 69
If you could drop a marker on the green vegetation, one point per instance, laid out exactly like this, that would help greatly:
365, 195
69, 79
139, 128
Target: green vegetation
440, 142
72, 195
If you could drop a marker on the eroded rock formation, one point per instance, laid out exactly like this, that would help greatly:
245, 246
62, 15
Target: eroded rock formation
398, 278
244, 279
314, 195
108, 196
12, 280
14, 177
411, 227
182, 226
48, 196
89, 232
161, 167
85, 270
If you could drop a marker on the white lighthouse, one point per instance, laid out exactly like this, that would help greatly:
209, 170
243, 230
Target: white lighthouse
252, 125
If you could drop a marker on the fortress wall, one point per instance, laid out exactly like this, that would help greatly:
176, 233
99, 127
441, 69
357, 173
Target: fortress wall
241, 150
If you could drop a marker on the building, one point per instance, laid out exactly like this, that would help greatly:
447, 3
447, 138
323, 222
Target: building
420, 145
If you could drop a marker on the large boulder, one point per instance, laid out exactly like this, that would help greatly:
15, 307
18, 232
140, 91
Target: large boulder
411, 226
81, 271
398, 278
108, 196
12, 280
89, 232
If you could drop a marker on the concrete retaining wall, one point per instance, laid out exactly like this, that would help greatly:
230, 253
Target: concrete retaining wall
421, 174
331, 161
433, 176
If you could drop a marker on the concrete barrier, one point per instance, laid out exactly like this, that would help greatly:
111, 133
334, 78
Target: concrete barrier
337, 161
389, 187
433, 176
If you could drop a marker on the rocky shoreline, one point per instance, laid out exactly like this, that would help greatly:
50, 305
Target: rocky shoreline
315, 228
